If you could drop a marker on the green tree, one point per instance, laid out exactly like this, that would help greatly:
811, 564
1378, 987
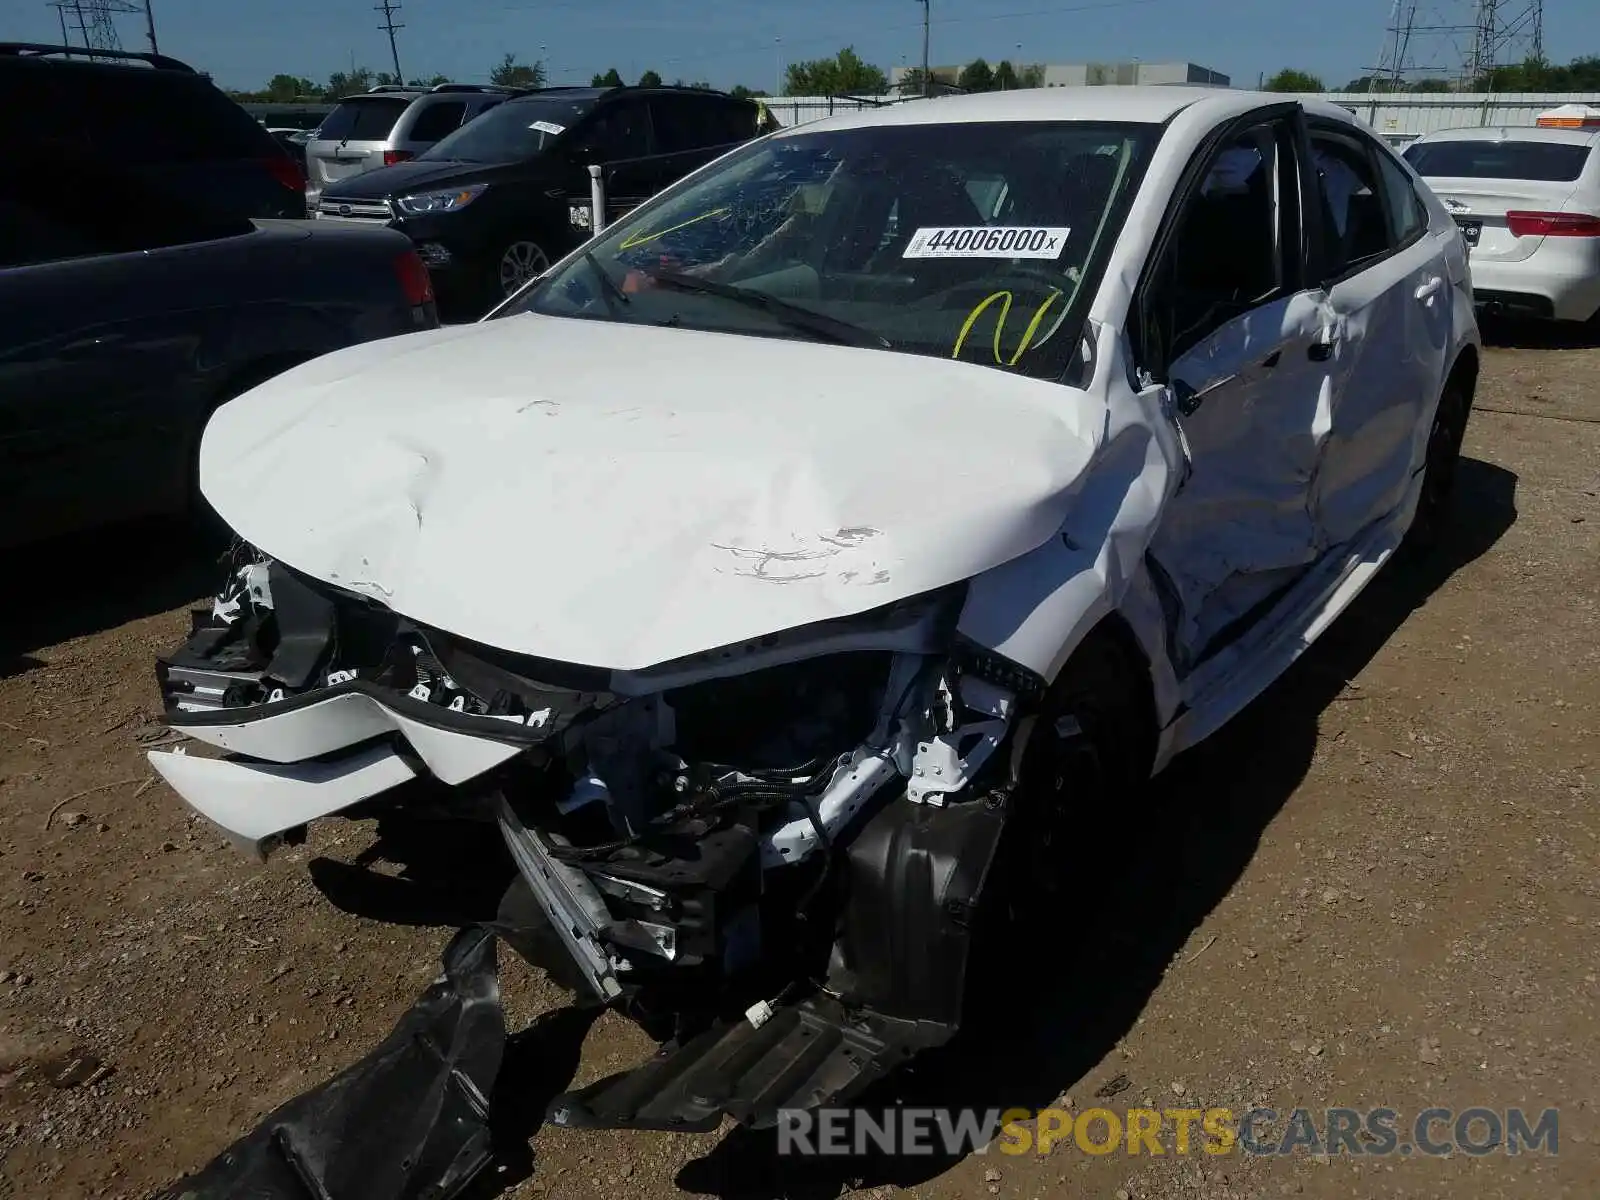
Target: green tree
1431, 85
1374, 83
612, 78
977, 76
1291, 80
1006, 78
290, 87
650, 79
843, 74
910, 83
509, 72
347, 83
743, 93
1030, 76
1582, 74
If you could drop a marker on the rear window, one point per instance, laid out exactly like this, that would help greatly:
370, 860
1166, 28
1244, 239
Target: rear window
363, 120
1548, 162
132, 114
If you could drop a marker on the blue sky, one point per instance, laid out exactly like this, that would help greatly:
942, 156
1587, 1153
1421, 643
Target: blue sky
745, 41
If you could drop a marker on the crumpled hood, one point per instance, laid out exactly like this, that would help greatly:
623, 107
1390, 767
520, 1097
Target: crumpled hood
620, 495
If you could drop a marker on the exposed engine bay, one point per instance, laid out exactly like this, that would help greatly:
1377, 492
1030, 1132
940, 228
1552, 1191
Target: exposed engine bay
773, 854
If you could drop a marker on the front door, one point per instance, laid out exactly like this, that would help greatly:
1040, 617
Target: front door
1230, 320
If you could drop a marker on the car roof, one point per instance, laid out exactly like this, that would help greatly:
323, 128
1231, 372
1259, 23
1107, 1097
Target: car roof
1513, 133
1142, 105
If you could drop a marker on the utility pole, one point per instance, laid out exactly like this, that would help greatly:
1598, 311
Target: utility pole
150, 26
927, 79
389, 8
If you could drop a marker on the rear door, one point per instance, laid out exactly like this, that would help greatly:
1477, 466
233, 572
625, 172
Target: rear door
620, 139
1482, 179
1388, 285
353, 137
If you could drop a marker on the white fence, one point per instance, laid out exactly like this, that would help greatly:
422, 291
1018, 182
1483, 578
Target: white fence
1403, 117
1400, 117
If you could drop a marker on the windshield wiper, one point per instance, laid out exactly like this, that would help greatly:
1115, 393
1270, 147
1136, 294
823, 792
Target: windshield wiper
610, 292
796, 316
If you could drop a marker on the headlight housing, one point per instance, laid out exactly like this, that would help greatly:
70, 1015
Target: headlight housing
443, 200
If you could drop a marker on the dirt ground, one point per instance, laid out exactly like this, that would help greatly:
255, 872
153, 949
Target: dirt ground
1378, 886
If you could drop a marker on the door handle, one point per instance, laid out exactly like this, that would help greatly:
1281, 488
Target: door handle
85, 347
1426, 291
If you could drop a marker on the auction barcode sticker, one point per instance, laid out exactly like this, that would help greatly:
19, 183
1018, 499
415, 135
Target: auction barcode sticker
988, 241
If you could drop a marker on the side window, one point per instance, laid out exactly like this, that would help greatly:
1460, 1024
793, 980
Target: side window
1355, 223
436, 120
29, 235
681, 124
1224, 254
1408, 216
734, 121
620, 132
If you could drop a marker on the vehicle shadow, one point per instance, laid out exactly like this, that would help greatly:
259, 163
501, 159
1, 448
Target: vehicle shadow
1152, 871
72, 586
1509, 333
450, 873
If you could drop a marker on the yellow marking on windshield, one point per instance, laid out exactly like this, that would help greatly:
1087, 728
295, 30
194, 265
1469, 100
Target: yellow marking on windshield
635, 240
1005, 299
1033, 326
972, 319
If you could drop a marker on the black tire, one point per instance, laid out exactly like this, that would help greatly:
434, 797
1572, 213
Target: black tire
519, 260
1440, 467
1090, 752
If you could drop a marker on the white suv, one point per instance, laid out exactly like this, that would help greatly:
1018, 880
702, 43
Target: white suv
391, 124
1528, 203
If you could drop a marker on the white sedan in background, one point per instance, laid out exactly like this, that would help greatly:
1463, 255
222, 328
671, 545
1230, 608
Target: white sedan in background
1528, 203
785, 569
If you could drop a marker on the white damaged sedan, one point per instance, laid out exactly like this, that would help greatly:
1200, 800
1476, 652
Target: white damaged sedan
782, 569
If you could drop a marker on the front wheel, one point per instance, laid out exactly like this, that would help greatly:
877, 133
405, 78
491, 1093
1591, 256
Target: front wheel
519, 262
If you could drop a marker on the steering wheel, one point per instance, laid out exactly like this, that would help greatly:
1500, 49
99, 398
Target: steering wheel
1035, 278
1044, 300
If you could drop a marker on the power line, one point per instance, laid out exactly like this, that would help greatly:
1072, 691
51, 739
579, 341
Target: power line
1460, 39
832, 39
93, 20
389, 8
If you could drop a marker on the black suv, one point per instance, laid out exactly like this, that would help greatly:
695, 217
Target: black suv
153, 117
490, 206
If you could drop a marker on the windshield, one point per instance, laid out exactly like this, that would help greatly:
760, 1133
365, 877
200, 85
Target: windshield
969, 241
1549, 162
510, 132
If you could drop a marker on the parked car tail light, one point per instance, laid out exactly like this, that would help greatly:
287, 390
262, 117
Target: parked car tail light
286, 171
414, 278
1552, 224
390, 157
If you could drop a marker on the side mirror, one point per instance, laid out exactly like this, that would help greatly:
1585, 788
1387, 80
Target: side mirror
1184, 398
